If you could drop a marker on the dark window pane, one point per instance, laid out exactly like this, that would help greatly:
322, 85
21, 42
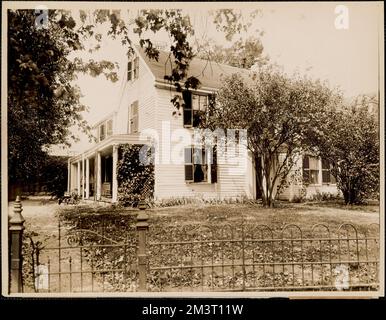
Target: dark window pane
325, 164
326, 176
187, 117
306, 162
199, 173
198, 116
306, 176
213, 166
187, 96
188, 172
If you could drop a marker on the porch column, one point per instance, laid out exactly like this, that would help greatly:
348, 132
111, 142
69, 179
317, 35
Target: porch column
115, 180
83, 179
98, 176
87, 178
78, 179
68, 176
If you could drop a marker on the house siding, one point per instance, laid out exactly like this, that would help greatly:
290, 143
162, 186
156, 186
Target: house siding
170, 178
297, 189
143, 91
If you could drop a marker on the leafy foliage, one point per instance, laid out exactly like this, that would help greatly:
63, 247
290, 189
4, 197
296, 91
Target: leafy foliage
42, 101
231, 22
135, 180
54, 175
279, 113
242, 54
349, 139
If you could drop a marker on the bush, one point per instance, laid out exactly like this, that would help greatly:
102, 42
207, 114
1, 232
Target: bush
325, 196
135, 180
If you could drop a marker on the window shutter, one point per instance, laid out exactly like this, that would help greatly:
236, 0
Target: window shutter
188, 112
188, 165
109, 127
134, 117
213, 166
211, 104
136, 68
102, 132
306, 169
129, 70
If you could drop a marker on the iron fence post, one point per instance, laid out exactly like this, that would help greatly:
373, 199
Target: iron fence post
16, 227
142, 227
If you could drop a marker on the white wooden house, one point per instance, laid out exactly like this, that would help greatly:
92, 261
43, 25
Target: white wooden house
146, 106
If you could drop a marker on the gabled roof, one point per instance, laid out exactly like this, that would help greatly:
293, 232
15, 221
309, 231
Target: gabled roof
209, 73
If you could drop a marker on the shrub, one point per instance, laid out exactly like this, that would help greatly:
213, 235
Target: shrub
135, 180
324, 196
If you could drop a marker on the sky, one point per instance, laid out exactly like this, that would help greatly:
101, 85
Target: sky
298, 37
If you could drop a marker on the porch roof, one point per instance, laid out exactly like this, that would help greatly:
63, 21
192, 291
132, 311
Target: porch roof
110, 141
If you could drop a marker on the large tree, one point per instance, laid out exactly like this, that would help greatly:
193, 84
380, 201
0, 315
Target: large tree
279, 113
349, 140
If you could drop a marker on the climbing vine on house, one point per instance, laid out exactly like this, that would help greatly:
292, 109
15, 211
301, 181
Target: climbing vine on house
135, 180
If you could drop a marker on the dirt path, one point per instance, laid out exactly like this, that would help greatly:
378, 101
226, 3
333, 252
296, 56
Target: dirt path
41, 223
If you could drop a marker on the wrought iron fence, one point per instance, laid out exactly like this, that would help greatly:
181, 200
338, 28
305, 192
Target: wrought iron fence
83, 256
257, 258
89, 257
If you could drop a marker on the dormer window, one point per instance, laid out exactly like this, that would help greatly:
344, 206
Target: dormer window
133, 69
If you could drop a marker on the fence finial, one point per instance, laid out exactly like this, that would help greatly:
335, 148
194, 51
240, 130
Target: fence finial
17, 217
16, 227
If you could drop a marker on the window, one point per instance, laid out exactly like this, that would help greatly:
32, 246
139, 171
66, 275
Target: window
327, 177
310, 170
195, 108
102, 132
197, 163
105, 129
133, 69
132, 126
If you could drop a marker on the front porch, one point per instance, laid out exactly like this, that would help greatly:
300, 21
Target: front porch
93, 175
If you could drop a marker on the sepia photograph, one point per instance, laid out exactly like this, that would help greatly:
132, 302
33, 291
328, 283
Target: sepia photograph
170, 149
